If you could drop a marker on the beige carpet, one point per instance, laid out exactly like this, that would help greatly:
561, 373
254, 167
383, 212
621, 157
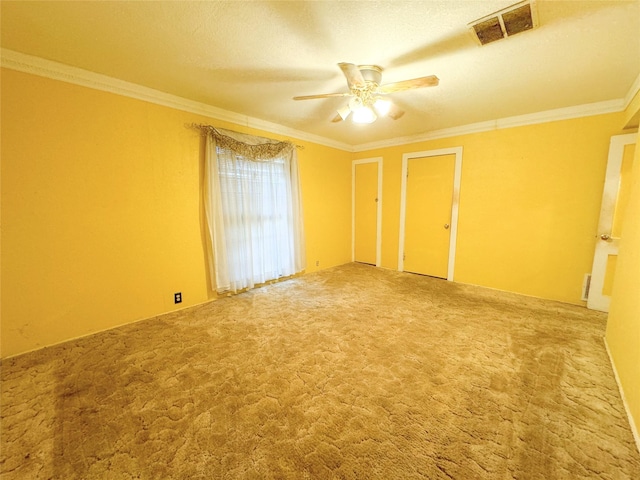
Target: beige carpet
349, 373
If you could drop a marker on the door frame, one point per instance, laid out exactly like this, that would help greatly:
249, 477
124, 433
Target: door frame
377, 160
455, 201
596, 300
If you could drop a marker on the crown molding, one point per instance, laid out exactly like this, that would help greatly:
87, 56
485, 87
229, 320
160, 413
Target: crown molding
57, 71
567, 113
578, 111
635, 88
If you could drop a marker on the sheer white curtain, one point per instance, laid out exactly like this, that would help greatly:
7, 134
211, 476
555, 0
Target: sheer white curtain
254, 210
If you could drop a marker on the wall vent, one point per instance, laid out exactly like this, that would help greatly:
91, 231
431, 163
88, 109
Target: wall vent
586, 284
517, 18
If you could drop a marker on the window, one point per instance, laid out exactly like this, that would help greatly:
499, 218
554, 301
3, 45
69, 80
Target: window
253, 211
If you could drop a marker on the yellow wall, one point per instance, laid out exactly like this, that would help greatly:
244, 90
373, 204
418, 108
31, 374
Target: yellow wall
102, 218
326, 187
529, 204
101, 210
623, 326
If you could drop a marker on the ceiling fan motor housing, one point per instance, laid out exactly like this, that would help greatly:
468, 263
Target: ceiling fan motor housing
371, 73
365, 95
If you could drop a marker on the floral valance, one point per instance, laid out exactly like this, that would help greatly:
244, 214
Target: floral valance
249, 146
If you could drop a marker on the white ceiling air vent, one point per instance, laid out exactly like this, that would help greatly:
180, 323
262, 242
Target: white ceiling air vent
506, 22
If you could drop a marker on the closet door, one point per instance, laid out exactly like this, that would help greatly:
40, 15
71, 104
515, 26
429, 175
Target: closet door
617, 186
429, 198
366, 210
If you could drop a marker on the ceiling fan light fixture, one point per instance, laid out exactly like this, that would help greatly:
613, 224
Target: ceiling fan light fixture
355, 103
368, 95
382, 106
344, 112
364, 115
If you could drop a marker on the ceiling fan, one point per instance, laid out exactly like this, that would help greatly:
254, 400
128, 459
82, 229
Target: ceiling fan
367, 94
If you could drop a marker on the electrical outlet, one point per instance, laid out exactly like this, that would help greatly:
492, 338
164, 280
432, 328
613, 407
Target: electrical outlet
317, 263
177, 297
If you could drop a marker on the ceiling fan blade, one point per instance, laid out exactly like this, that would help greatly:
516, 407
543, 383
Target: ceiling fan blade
430, 81
353, 75
395, 112
322, 95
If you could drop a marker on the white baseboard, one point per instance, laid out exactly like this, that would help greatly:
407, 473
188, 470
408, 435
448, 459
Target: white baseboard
632, 424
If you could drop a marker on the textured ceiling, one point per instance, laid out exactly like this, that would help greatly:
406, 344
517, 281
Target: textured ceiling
251, 58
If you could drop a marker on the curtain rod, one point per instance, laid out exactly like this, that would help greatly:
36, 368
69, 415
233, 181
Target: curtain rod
203, 127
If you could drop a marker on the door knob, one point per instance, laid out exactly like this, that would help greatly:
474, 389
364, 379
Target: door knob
605, 237
446, 226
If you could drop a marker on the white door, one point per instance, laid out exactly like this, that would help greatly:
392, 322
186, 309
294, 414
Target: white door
614, 201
